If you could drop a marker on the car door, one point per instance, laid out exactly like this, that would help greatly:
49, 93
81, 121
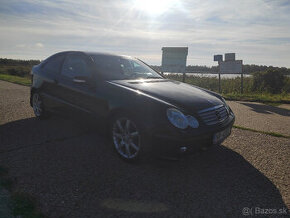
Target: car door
76, 83
50, 71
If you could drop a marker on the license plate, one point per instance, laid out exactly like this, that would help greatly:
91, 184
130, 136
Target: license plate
219, 137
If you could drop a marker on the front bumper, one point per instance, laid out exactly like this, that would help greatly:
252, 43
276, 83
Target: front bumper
171, 141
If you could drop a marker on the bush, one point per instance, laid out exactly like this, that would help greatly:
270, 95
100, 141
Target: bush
271, 81
228, 85
22, 71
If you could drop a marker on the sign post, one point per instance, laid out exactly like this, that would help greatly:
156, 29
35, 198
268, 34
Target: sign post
219, 59
242, 81
219, 79
229, 66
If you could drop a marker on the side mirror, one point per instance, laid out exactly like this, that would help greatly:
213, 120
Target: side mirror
80, 79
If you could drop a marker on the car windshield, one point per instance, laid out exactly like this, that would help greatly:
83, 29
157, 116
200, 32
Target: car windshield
123, 68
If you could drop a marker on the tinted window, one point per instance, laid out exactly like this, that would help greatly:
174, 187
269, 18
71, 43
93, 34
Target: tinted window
118, 68
53, 64
75, 65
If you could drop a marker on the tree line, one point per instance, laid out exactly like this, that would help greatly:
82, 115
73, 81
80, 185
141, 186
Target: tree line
15, 62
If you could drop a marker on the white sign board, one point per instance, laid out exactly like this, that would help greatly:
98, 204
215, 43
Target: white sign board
228, 67
174, 59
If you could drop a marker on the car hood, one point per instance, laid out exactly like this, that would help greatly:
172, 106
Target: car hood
182, 95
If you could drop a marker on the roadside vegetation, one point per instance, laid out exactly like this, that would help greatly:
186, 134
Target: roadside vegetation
269, 85
16, 71
272, 86
13, 67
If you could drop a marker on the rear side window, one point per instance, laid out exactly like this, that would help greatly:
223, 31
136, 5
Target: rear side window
53, 64
75, 65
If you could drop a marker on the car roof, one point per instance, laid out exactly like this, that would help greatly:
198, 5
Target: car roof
89, 53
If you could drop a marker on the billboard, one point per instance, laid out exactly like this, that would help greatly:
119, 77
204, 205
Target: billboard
174, 59
228, 67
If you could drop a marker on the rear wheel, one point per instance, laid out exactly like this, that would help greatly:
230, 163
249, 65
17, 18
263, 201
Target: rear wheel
127, 137
37, 106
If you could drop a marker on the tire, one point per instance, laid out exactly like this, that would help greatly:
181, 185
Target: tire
127, 137
38, 107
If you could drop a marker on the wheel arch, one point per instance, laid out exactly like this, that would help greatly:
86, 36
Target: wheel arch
32, 91
116, 111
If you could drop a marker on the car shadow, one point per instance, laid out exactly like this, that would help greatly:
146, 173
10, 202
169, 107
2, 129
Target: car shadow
77, 174
267, 109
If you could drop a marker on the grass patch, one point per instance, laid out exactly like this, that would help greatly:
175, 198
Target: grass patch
275, 99
23, 205
16, 79
263, 132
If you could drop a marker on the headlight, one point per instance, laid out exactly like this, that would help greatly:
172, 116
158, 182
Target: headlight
192, 121
177, 118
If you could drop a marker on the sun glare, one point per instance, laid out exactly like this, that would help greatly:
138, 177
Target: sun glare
153, 7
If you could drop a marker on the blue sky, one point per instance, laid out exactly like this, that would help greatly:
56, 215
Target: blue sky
258, 31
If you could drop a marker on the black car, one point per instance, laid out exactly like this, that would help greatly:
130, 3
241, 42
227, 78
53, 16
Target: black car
144, 111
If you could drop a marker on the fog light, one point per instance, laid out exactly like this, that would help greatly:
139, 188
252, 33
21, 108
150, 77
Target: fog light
183, 149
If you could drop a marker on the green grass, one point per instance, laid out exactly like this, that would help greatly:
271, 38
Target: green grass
16, 79
275, 134
272, 99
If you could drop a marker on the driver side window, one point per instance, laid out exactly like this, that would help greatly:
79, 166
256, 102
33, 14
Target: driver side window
75, 65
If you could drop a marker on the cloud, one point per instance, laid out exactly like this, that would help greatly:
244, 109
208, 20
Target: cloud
257, 30
38, 45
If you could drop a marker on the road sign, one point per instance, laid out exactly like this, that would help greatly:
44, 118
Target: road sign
218, 58
174, 59
230, 56
229, 67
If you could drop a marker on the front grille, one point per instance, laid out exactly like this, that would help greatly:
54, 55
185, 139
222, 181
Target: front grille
214, 115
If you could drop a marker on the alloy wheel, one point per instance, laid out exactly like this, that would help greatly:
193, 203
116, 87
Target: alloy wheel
36, 103
126, 138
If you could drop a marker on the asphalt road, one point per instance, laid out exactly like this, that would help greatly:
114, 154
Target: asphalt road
72, 171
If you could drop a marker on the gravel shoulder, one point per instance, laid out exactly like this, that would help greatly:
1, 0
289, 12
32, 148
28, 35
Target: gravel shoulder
14, 102
262, 117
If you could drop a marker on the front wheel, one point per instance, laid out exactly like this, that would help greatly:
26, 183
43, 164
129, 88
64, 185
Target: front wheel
37, 106
127, 138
